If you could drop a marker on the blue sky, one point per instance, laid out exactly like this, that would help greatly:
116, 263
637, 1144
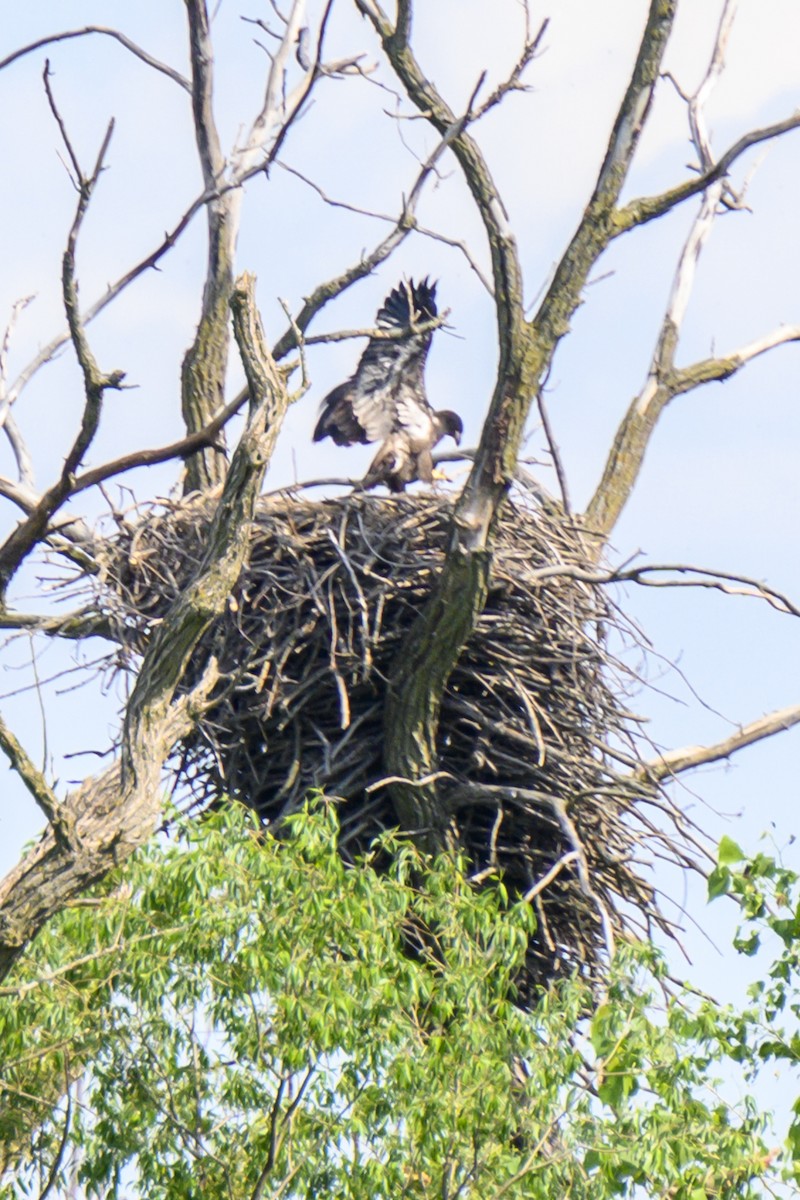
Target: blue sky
720, 485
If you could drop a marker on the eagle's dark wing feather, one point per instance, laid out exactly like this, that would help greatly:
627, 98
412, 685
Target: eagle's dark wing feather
337, 419
388, 360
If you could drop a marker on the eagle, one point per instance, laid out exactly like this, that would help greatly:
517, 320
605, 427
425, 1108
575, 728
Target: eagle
385, 401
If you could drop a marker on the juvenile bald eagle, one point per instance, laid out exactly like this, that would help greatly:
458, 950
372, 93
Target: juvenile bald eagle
385, 400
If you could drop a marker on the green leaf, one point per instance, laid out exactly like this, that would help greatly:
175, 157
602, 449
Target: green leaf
592, 1160
729, 852
719, 882
793, 1140
747, 945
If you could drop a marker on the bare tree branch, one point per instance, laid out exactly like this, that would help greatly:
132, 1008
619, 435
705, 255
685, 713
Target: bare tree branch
703, 577
204, 367
122, 38
639, 212
115, 812
31, 531
149, 458
665, 381
96, 382
205, 363
150, 261
555, 454
375, 334
713, 370
675, 761
69, 535
663, 575
433, 234
18, 307
19, 449
275, 102
75, 626
526, 352
57, 815
15, 439
404, 224
24, 497
42, 508
514, 81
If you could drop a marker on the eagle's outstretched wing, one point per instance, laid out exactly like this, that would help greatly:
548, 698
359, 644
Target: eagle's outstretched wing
385, 401
388, 385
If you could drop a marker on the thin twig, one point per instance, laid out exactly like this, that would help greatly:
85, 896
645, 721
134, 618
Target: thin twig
52, 1177
555, 454
122, 38
514, 80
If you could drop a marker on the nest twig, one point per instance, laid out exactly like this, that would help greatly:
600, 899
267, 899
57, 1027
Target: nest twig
533, 730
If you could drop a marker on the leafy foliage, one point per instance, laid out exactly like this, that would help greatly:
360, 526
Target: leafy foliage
250, 1017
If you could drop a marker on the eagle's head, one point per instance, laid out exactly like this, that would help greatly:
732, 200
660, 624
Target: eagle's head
449, 424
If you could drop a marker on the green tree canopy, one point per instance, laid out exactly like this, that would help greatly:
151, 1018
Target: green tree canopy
254, 1024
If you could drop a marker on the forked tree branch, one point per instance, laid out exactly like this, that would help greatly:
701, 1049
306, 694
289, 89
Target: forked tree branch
204, 367
526, 353
665, 381
648, 208
96, 382
113, 813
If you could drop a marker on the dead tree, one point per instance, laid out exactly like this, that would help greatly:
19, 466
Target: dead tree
93, 827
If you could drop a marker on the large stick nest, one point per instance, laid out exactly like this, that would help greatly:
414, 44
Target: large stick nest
536, 749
